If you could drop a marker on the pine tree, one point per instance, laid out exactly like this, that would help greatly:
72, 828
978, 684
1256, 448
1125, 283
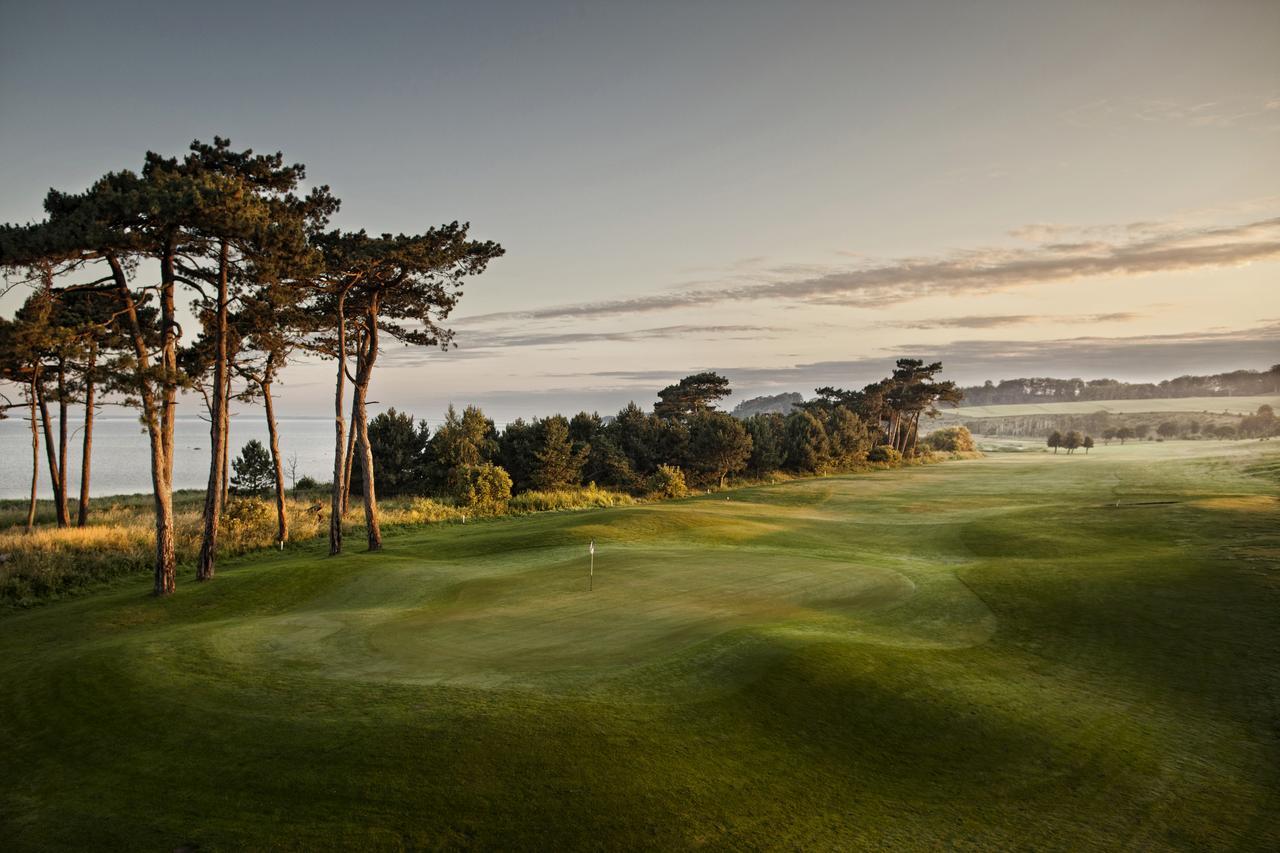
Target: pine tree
254, 470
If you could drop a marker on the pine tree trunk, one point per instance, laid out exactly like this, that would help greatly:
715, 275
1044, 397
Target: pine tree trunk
35, 454
349, 460
282, 521
162, 443
86, 448
213, 495
51, 453
226, 434
361, 426
62, 441
368, 357
168, 361
339, 425
162, 493
226, 445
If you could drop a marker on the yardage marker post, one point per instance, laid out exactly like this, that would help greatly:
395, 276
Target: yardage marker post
591, 576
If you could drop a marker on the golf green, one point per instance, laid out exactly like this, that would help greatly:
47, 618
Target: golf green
1025, 651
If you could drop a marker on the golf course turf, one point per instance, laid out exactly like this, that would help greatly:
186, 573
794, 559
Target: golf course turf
1026, 651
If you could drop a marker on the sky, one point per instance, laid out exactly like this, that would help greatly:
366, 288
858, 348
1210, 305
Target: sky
793, 194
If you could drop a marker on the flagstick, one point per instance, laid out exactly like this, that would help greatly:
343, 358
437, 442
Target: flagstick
591, 578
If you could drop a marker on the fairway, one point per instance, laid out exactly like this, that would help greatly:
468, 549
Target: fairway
1022, 651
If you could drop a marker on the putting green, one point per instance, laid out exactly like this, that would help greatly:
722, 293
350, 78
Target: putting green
1025, 651
531, 618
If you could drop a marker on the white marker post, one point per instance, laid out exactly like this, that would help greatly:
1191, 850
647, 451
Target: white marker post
591, 577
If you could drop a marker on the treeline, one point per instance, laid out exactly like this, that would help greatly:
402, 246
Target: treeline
1263, 424
684, 441
1140, 425
1237, 383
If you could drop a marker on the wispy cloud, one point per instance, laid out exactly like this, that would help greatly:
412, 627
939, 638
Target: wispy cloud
1228, 111
487, 343
1132, 250
480, 339
992, 321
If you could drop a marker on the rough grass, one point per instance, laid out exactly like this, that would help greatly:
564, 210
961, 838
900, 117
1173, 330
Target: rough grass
569, 498
1020, 652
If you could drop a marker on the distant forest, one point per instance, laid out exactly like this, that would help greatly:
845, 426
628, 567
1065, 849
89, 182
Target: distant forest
1237, 383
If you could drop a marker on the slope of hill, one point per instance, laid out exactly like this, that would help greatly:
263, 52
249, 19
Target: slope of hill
1005, 653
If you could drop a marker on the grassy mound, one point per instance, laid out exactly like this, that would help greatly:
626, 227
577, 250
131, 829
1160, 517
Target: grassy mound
1025, 651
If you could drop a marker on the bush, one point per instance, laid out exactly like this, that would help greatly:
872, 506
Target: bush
884, 453
483, 489
668, 482
956, 439
246, 523
306, 483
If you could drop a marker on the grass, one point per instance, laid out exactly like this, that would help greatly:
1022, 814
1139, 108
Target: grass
1019, 652
1173, 405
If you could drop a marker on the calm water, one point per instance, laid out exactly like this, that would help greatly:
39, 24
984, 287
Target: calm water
122, 461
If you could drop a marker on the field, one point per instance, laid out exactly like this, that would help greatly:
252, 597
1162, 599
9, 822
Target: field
1025, 651
1213, 405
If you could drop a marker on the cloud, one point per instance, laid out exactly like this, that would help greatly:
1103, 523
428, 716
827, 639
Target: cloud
479, 339
481, 343
1227, 111
1038, 232
991, 321
1133, 251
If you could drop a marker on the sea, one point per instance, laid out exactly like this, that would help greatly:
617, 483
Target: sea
121, 460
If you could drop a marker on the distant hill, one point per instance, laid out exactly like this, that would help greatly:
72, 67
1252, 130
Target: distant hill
779, 403
1237, 383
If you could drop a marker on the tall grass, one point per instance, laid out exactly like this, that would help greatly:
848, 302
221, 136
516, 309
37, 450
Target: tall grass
582, 497
120, 540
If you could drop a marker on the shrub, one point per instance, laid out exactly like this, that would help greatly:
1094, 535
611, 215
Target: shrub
306, 483
956, 439
483, 489
884, 453
668, 482
247, 522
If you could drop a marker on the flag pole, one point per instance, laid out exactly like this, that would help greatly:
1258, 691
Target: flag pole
591, 576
